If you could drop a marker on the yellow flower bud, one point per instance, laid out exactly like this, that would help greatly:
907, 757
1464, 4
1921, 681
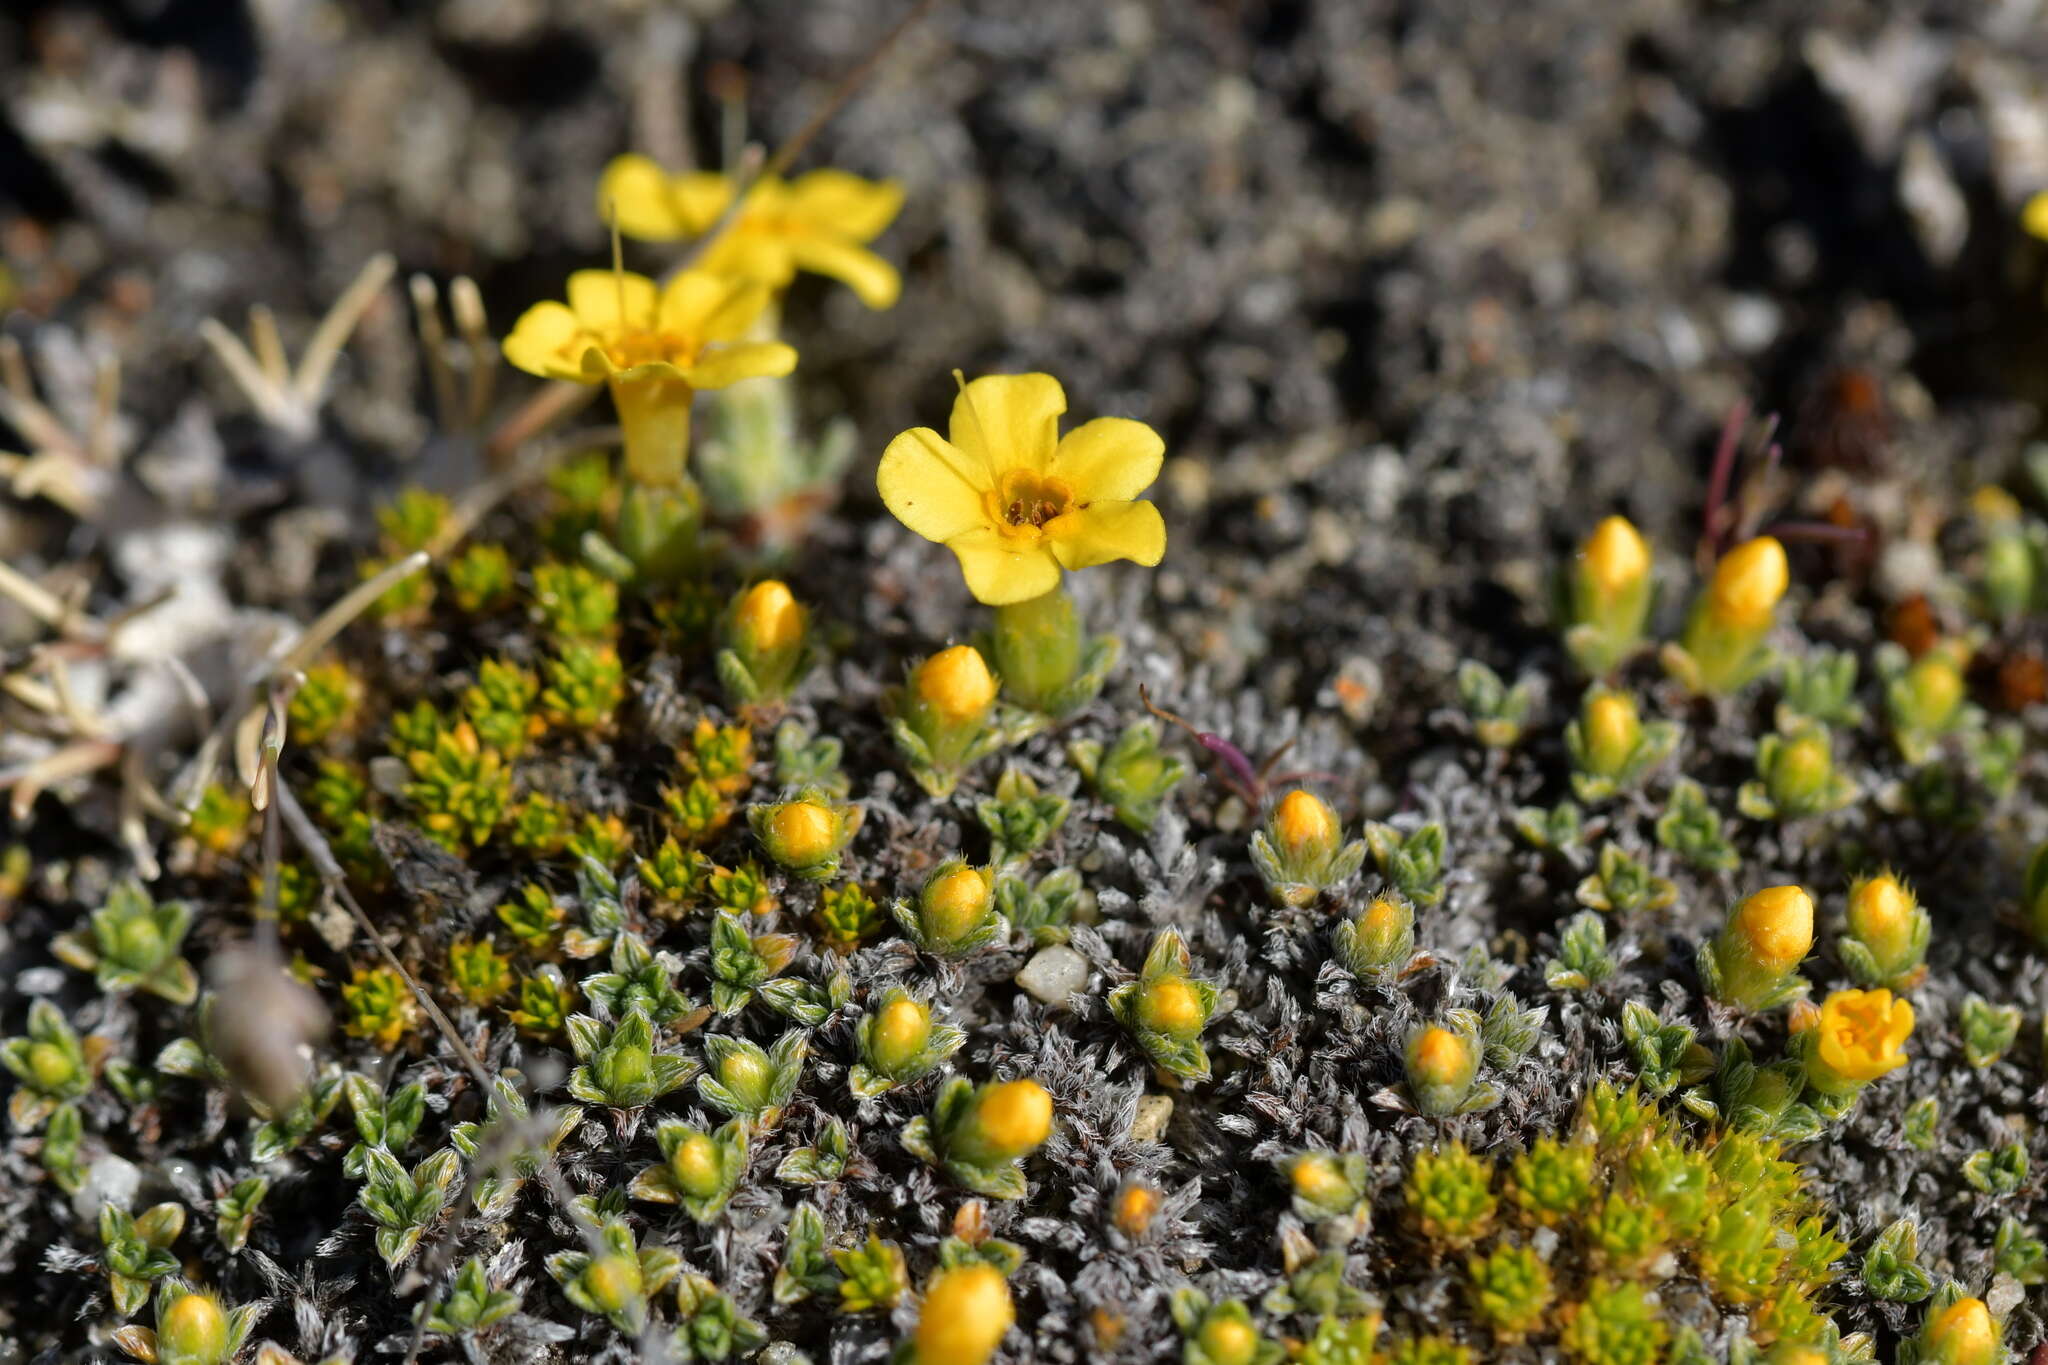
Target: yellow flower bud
1961, 1334
1008, 1119
628, 1066
769, 617
1304, 826
1439, 1057
1882, 914
1766, 936
1609, 597
902, 1030
1749, 582
697, 1168
956, 901
1934, 686
1136, 1206
1442, 1064
742, 1072
1994, 505
613, 1282
1792, 1353
1320, 1180
1611, 730
1614, 557
1861, 1036
50, 1066
1804, 763
956, 684
802, 832
1169, 1005
1229, 1341
1381, 939
192, 1327
966, 1312
1775, 925
1384, 918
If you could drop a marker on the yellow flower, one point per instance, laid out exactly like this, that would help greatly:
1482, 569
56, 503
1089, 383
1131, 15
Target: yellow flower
821, 222
1862, 1035
1016, 501
653, 347
2034, 216
618, 324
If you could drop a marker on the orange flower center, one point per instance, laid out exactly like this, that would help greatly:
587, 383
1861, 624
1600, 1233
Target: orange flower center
1024, 501
1861, 1028
627, 349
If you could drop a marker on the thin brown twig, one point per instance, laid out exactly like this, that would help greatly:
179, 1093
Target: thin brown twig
329, 868
477, 503
324, 862
548, 405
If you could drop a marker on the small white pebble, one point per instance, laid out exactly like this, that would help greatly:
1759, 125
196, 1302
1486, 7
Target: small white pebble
1054, 973
108, 1180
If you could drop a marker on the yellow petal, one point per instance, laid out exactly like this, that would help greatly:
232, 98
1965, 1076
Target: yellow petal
606, 300
1106, 531
845, 204
633, 192
1000, 569
869, 276
1111, 459
931, 486
756, 256
548, 341
699, 199
708, 307
722, 365
1009, 420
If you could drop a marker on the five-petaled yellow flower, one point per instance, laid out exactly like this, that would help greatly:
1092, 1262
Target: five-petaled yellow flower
821, 221
1015, 500
617, 324
654, 346
1862, 1035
